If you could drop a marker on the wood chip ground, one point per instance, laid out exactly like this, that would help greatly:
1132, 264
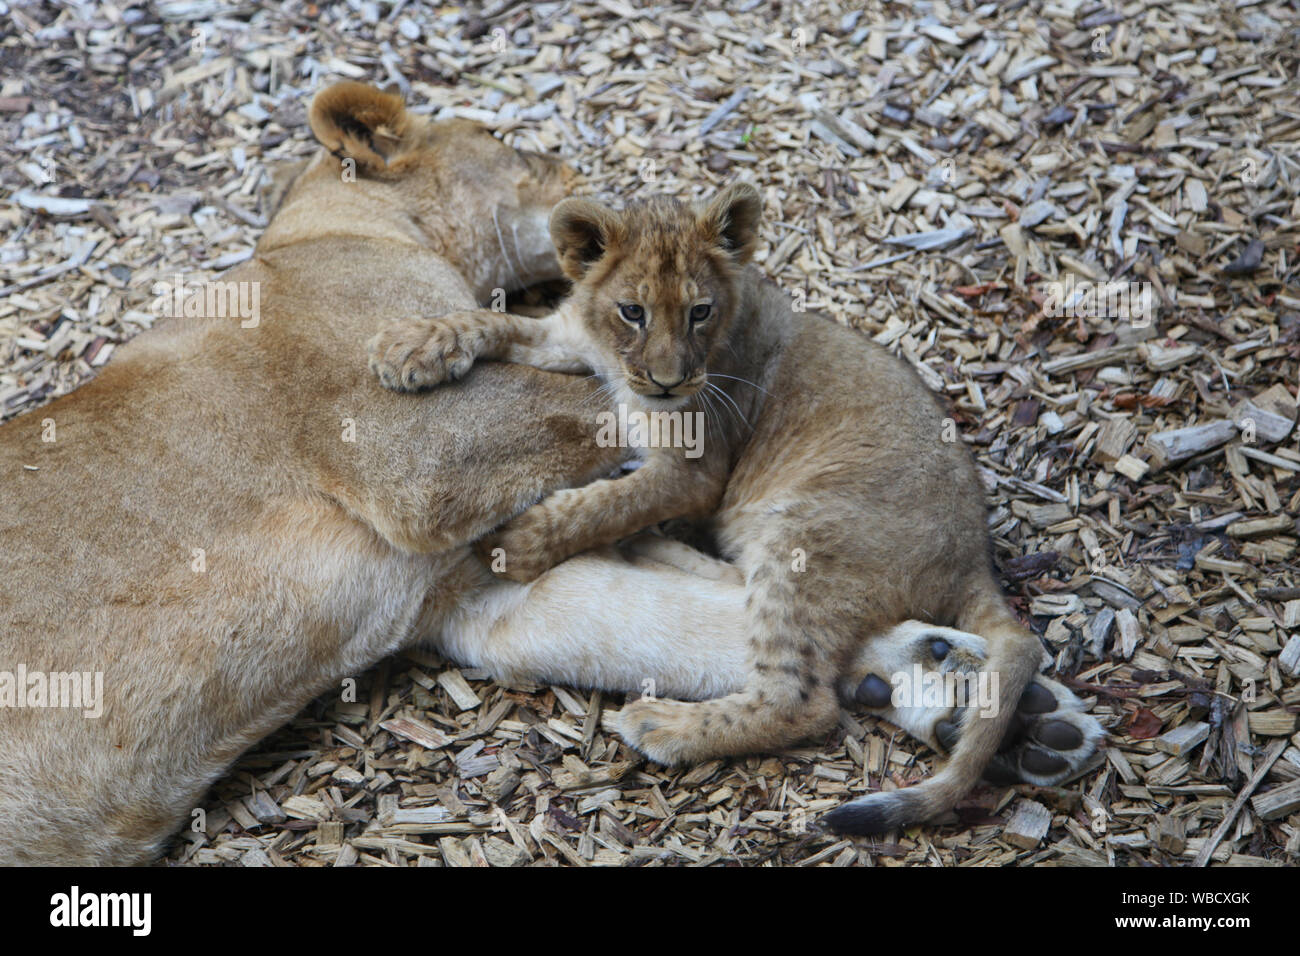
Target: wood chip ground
951, 179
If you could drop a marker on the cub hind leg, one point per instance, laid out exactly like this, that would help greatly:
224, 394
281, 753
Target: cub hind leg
797, 636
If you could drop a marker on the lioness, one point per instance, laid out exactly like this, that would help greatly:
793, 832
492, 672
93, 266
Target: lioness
824, 477
228, 520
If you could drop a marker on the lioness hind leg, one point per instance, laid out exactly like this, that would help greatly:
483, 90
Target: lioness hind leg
632, 639
929, 680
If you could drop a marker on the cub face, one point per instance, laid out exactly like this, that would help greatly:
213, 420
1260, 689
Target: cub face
656, 286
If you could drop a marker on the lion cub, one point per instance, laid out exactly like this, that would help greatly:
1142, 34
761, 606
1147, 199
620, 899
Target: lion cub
824, 476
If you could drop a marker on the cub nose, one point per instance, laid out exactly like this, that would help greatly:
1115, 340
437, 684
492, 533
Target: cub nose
666, 388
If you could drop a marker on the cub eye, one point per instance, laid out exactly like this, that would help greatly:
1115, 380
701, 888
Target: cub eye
701, 312
633, 313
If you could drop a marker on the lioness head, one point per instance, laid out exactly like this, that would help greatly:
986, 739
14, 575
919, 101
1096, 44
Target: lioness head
656, 284
451, 185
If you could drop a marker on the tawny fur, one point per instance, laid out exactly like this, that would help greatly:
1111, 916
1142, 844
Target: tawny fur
320, 555
828, 476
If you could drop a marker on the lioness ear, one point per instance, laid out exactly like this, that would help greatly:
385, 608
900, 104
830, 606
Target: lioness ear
731, 219
359, 122
581, 230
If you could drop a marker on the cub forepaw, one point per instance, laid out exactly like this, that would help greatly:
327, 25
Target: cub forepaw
409, 356
524, 549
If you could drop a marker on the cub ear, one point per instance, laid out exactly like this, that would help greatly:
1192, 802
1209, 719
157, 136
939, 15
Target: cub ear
731, 219
581, 231
359, 122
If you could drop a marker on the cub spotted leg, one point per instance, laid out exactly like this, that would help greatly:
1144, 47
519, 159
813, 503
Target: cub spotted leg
789, 693
931, 681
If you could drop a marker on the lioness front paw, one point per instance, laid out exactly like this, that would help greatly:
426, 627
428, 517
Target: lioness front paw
409, 356
930, 681
524, 549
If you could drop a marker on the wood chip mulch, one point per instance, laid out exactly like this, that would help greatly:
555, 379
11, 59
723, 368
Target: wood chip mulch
929, 170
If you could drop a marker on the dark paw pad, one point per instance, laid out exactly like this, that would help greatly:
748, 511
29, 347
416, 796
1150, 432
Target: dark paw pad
1036, 699
1041, 762
1042, 749
873, 692
1001, 773
1058, 735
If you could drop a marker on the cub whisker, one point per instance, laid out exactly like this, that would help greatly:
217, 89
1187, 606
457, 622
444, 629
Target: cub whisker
745, 380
